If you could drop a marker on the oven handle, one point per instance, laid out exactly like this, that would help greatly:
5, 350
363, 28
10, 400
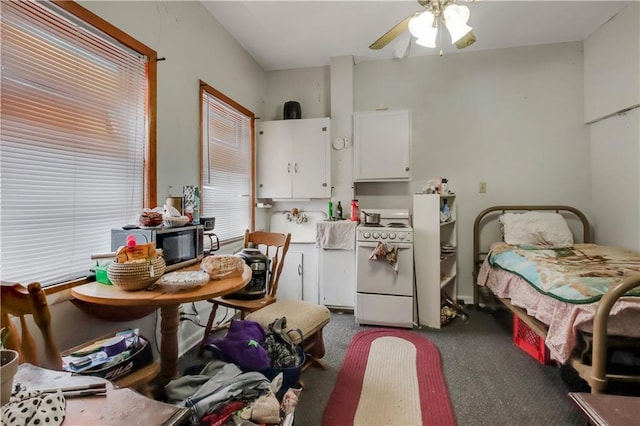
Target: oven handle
374, 245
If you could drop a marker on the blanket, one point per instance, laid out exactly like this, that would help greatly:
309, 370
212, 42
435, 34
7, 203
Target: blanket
582, 273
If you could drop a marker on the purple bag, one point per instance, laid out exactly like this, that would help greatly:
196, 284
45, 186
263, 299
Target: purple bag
243, 345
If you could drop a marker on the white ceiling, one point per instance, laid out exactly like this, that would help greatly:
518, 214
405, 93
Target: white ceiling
299, 34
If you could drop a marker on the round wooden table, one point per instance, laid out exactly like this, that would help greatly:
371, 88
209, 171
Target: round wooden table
108, 295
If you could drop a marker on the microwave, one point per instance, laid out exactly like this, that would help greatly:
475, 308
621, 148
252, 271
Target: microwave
181, 246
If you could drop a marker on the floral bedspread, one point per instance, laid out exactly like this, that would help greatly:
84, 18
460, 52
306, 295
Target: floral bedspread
582, 273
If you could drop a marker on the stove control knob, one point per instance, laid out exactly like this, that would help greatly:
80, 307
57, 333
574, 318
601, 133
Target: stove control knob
401, 236
376, 235
384, 235
392, 236
366, 234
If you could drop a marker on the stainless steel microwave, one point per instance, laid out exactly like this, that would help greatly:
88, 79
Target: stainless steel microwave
181, 246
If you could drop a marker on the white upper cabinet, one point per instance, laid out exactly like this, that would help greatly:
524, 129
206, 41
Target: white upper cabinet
382, 146
294, 158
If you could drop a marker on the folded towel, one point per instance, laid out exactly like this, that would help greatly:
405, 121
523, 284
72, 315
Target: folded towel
338, 235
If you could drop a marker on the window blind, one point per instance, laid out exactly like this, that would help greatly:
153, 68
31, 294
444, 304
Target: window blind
226, 166
74, 130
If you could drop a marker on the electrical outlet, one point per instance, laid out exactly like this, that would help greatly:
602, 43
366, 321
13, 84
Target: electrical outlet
483, 187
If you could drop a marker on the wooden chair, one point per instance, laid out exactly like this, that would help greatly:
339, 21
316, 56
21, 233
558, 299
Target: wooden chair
275, 246
20, 302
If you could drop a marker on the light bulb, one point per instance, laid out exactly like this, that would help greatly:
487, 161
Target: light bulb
421, 25
456, 18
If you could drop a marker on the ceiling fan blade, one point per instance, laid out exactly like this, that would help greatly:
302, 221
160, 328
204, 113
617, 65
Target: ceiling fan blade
390, 35
466, 41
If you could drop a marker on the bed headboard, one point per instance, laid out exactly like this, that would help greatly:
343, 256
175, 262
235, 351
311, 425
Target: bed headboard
480, 250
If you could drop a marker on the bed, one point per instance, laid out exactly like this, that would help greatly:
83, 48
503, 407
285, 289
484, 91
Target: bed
583, 299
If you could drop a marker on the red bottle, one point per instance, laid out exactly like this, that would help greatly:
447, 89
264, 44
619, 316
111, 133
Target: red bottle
355, 211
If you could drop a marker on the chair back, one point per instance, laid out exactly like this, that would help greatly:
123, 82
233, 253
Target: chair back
274, 245
20, 302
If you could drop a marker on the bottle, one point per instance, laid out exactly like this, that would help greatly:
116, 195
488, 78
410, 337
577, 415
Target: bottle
355, 211
339, 211
330, 209
445, 212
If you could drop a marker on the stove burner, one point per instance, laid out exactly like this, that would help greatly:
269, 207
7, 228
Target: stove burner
396, 225
372, 225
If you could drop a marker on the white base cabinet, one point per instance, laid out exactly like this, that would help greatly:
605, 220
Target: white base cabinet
436, 270
337, 278
294, 158
290, 284
299, 279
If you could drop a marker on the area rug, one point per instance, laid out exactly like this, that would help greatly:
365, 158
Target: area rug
390, 377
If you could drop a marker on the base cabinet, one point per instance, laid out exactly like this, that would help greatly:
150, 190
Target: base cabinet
290, 284
435, 245
294, 158
299, 279
337, 278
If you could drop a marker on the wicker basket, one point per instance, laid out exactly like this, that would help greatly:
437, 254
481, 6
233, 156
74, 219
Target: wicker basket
135, 276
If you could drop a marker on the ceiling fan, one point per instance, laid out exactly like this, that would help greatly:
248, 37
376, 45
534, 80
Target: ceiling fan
424, 24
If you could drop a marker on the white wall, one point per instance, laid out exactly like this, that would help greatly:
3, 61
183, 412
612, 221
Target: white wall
512, 118
612, 84
196, 47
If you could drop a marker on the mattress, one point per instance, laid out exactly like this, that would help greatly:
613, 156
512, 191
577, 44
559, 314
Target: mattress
564, 320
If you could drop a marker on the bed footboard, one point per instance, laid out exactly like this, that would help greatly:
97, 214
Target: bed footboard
596, 374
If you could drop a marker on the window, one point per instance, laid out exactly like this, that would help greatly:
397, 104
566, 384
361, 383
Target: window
77, 141
227, 163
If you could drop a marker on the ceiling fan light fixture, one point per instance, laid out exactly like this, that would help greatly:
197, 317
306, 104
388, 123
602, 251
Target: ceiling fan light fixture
423, 26
427, 41
456, 18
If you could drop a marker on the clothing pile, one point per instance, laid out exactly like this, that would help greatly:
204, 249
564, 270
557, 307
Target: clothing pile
246, 380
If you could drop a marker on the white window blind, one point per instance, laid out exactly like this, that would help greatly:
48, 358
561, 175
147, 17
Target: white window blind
74, 130
226, 167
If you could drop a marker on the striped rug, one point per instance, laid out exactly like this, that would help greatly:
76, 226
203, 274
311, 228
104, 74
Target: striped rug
390, 377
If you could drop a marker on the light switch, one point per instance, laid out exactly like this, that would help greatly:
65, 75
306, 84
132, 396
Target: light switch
483, 187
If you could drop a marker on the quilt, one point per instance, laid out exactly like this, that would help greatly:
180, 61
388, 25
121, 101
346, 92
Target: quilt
579, 274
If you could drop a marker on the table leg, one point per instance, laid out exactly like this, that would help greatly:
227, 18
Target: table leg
169, 344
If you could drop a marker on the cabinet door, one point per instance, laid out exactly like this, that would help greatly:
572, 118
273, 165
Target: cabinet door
382, 146
337, 278
311, 166
290, 284
274, 162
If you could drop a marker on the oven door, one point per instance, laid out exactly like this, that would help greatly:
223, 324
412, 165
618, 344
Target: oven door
378, 276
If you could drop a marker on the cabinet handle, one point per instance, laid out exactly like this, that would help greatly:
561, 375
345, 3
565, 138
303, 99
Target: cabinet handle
299, 269
324, 185
288, 167
406, 169
295, 167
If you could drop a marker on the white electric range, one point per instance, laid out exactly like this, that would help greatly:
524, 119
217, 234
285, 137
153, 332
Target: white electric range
384, 291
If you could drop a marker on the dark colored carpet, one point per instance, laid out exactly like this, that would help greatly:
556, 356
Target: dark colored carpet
490, 381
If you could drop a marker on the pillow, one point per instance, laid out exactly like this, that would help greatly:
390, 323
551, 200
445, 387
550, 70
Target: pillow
536, 229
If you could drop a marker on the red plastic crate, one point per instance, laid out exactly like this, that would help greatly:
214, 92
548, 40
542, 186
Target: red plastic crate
527, 340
